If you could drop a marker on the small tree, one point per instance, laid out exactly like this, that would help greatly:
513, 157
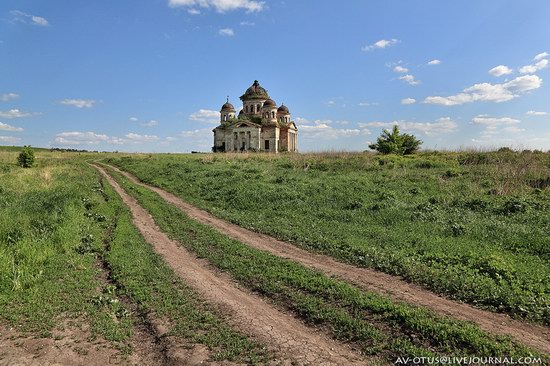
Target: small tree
26, 157
395, 142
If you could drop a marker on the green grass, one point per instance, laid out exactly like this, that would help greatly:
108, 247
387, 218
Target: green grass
62, 231
371, 322
473, 226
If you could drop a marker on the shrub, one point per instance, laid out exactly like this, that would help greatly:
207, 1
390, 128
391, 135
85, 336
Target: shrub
26, 157
395, 142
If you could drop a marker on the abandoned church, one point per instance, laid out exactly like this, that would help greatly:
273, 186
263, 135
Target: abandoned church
260, 125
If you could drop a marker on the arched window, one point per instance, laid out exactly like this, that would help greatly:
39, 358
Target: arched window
272, 114
225, 117
257, 108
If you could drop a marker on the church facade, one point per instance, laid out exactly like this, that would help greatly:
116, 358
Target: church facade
259, 126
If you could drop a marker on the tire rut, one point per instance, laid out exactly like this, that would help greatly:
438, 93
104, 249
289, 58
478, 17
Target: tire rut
286, 336
532, 335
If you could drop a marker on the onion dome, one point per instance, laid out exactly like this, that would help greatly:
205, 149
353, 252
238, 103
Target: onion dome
255, 92
228, 107
283, 109
270, 103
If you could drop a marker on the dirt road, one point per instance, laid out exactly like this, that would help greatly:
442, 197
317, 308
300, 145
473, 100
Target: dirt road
534, 336
285, 335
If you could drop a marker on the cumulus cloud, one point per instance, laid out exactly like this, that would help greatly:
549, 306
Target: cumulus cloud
381, 44
8, 96
541, 56
535, 113
531, 69
15, 113
19, 16
134, 137
486, 92
408, 101
133, 119
322, 129
500, 70
409, 79
226, 32
193, 11
400, 69
78, 103
220, 6
80, 138
486, 120
439, 126
6, 127
205, 116
10, 139
434, 62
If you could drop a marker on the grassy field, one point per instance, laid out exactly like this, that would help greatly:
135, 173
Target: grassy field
470, 225
372, 323
69, 251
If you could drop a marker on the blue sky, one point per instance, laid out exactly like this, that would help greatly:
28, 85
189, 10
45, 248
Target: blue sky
136, 75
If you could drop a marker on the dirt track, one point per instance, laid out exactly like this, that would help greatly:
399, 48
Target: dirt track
534, 336
285, 335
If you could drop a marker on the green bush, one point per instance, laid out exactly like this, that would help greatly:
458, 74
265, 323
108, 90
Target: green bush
26, 157
395, 142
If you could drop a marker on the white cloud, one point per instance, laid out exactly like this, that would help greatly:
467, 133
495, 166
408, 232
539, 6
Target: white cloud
80, 138
440, 126
408, 101
206, 116
10, 139
486, 92
220, 6
541, 56
400, 69
151, 123
193, 11
500, 70
486, 120
78, 103
133, 119
249, 24
381, 44
19, 16
203, 132
134, 137
367, 104
531, 69
226, 32
322, 129
6, 127
409, 79
535, 113
15, 113
434, 62
512, 129
8, 96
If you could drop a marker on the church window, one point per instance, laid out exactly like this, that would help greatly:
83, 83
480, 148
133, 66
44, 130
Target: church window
266, 146
272, 114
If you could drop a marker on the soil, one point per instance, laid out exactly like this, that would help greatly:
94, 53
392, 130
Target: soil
287, 337
531, 335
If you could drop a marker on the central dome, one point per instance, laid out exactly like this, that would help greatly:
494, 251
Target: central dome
255, 92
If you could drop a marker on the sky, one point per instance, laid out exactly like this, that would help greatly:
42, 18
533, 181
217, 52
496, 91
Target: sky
152, 75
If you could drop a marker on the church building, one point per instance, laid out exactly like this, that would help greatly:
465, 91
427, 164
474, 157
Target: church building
260, 125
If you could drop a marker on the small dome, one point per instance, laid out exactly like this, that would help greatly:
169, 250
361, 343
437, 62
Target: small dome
228, 107
270, 103
283, 109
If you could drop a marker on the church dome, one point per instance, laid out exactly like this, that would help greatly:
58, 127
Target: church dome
228, 107
270, 103
255, 92
283, 109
